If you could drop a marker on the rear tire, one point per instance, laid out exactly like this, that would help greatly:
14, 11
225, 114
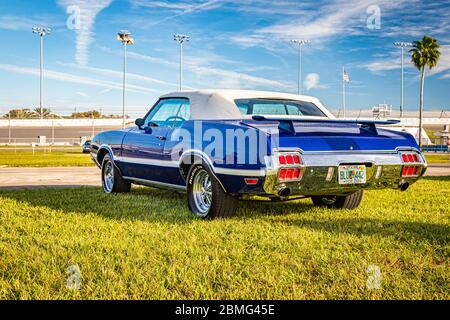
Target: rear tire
112, 181
206, 198
350, 201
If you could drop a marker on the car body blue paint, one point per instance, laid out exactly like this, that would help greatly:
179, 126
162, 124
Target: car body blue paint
310, 136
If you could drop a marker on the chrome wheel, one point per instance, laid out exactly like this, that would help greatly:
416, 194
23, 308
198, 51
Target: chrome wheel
108, 177
202, 192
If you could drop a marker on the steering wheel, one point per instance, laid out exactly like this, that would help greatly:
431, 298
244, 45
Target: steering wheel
172, 118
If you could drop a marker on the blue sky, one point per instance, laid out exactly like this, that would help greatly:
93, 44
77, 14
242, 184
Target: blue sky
234, 44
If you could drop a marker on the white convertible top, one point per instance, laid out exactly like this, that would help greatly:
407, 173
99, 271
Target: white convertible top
220, 104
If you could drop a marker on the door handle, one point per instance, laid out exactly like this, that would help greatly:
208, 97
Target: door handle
162, 138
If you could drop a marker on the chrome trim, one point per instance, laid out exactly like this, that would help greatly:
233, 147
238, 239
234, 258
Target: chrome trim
240, 172
156, 184
396, 151
320, 176
151, 162
173, 164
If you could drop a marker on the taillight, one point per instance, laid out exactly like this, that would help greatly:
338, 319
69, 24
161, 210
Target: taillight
286, 174
290, 167
410, 170
289, 159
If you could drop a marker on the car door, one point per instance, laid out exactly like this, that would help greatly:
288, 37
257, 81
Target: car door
143, 155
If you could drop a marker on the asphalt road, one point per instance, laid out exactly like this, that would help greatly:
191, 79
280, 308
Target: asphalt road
32, 178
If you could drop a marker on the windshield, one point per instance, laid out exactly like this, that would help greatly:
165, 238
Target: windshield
278, 107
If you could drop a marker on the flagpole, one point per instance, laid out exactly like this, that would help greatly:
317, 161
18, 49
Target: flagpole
343, 91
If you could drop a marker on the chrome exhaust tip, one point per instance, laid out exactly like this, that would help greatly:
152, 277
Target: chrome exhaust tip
404, 186
284, 193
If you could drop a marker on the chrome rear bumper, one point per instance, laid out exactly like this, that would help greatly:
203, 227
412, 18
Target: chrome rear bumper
320, 173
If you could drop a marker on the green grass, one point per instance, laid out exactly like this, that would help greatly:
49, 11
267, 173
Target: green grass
438, 158
147, 245
58, 158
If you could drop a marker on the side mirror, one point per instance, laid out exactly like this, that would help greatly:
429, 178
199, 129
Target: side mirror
139, 122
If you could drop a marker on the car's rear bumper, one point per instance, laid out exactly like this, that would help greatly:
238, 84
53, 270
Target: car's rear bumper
320, 173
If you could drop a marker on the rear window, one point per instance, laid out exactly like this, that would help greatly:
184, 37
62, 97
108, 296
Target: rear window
278, 107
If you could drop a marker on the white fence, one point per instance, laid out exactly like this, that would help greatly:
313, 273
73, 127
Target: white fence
63, 122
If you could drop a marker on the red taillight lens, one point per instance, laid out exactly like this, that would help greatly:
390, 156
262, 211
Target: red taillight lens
289, 159
290, 166
410, 158
409, 171
282, 174
405, 171
289, 174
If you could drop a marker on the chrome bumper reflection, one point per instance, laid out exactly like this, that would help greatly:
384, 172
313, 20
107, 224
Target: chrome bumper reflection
320, 175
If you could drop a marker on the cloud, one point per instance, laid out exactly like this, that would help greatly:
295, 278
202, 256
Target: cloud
392, 62
119, 74
18, 23
443, 65
88, 11
67, 77
208, 75
311, 81
82, 94
233, 79
182, 7
319, 23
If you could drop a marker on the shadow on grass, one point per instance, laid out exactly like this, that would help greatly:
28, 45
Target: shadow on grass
147, 204
400, 230
252, 209
144, 204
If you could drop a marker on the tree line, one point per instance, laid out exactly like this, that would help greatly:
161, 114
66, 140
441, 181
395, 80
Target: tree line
27, 113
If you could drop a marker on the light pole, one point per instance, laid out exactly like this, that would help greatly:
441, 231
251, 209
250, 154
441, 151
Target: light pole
181, 38
41, 31
300, 44
125, 37
402, 45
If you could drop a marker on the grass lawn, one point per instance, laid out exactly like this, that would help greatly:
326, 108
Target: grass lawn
438, 158
58, 158
147, 245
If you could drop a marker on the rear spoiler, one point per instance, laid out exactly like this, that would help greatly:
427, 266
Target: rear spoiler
288, 124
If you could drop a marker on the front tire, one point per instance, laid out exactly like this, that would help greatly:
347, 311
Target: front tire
206, 198
350, 201
112, 181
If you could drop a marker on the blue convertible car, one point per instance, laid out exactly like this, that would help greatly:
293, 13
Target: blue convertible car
222, 145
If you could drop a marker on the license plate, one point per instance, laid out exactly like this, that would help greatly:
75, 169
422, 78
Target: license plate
352, 174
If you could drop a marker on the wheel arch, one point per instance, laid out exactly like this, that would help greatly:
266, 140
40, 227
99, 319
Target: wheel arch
191, 157
102, 152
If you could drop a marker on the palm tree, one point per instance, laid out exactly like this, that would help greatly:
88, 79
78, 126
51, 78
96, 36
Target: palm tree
425, 52
46, 113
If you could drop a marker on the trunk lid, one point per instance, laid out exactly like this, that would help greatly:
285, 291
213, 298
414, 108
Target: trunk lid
335, 135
